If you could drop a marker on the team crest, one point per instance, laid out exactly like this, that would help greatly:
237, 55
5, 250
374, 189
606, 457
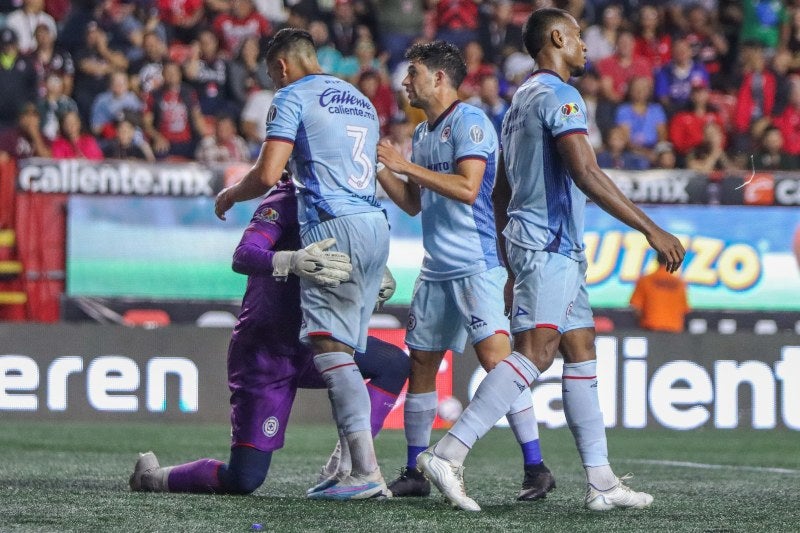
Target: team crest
271, 426
268, 215
445, 134
412, 322
272, 113
476, 134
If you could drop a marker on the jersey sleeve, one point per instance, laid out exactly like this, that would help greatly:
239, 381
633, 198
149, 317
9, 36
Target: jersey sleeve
473, 138
565, 112
283, 118
254, 253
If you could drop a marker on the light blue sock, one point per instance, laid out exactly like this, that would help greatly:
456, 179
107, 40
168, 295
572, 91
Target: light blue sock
522, 420
419, 411
582, 409
494, 397
346, 390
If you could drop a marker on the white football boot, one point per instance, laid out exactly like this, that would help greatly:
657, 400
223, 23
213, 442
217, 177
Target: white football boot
620, 496
448, 478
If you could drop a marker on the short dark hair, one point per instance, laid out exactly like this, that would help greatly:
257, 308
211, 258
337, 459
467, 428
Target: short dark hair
536, 32
440, 55
289, 39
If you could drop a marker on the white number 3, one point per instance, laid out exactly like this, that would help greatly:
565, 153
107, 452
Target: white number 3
359, 135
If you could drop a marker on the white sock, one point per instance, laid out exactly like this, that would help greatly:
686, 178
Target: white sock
345, 461
362, 453
522, 418
582, 409
495, 395
601, 477
418, 414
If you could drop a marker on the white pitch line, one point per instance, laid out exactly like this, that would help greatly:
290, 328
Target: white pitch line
707, 466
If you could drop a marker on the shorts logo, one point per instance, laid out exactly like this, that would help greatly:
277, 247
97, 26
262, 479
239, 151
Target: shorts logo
271, 426
445, 134
272, 113
521, 312
476, 322
476, 134
268, 215
412, 322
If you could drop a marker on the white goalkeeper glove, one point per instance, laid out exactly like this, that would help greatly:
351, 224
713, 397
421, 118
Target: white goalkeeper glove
327, 269
388, 285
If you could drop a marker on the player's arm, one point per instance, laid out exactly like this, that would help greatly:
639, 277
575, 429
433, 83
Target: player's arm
501, 196
262, 175
581, 162
405, 194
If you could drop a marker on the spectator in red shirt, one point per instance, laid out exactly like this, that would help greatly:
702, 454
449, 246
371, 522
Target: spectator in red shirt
183, 18
380, 94
686, 126
708, 43
755, 100
73, 143
477, 69
788, 122
652, 42
243, 21
456, 21
617, 70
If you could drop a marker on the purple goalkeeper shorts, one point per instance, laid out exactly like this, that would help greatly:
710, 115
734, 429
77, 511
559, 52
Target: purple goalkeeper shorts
263, 385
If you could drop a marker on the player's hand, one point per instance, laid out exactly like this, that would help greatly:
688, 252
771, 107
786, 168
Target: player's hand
669, 247
389, 156
508, 296
327, 269
223, 202
388, 286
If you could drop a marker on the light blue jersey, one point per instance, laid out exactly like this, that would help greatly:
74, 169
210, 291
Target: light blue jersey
335, 131
546, 210
459, 239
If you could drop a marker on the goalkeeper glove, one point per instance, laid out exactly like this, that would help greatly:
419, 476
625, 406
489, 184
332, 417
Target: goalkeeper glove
388, 285
327, 269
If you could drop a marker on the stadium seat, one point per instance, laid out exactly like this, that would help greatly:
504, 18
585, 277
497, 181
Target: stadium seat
146, 318
765, 326
216, 319
726, 326
698, 326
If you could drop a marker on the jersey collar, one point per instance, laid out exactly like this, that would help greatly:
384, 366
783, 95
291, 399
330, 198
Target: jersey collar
545, 71
443, 116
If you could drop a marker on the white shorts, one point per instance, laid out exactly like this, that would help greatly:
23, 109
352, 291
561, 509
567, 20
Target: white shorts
344, 312
549, 291
444, 314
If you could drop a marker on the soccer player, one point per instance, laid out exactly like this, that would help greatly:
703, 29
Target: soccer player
330, 130
547, 170
458, 295
267, 363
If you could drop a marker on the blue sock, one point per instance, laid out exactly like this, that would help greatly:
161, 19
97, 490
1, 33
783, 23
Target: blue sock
531, 454
413, 452
419, 412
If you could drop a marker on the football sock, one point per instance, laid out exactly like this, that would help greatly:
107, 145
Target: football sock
198, 476
346, 390
245, 472
381, 403
582, 410
522, 419
419, 411
345, 461
362, 453
494, 397
385, 365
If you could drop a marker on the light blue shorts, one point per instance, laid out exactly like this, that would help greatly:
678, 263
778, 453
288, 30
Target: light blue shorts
344, 312
444, 314
549, 292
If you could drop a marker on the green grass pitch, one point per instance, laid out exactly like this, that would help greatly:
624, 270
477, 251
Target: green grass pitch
58, 476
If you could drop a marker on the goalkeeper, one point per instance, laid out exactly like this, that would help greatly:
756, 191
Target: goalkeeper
266, 361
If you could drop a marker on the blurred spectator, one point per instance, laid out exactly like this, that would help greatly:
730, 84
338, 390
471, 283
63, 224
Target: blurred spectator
172, 119
72, 142
708, 43
598, 118
601, 38
755, 99
645, 120
25, 139
371, 84
710, 155
146, 75
343, 27
665, 156
110, 105
225, 146
686, 126
400, 134
456, 21
184, 18
499, 36
617, 70
652, 42
674, 80
788, 121
400, 22
330, 59
17, 79
762, 22
274, 11
129, 143
660, 300
617, 154
491, 102
53, 106
24, 22
477, 69
247, 73
207, 72
790, 39
49, 60
364, 59
95, 63
770, 154
242, 21
253, 119
516, 69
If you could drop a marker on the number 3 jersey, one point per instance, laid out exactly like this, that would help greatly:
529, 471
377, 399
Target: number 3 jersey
334, 129
459, 239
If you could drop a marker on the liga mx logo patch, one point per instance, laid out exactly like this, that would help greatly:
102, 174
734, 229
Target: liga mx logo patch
270, 427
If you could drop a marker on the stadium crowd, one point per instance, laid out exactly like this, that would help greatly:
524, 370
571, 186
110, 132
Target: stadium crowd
709, 85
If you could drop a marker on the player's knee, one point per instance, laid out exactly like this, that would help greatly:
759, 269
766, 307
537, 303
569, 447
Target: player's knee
243, 483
